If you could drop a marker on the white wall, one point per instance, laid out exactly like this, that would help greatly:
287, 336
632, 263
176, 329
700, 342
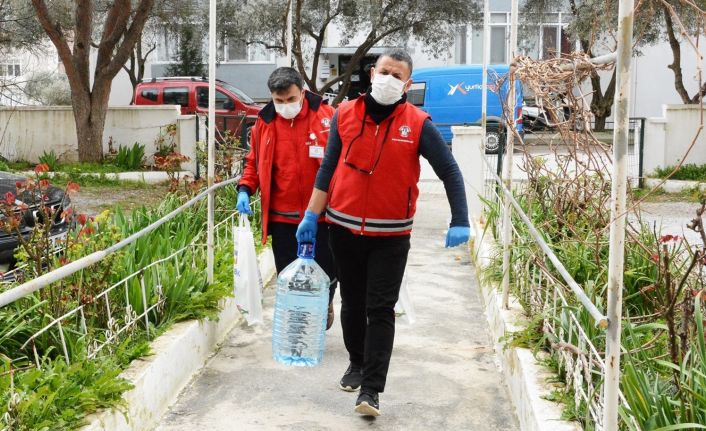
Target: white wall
668, 138
29, 131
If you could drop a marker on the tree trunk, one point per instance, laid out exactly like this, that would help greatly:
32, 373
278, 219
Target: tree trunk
90, 110
89, 131
602, 102
599, 124
117, 42
676, 54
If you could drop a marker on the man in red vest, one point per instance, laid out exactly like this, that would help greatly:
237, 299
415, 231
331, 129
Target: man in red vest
367, 184
287, 147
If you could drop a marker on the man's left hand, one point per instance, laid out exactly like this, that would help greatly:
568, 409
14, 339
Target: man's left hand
457, 235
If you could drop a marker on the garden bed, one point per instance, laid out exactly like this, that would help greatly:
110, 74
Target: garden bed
176, 355
53, 375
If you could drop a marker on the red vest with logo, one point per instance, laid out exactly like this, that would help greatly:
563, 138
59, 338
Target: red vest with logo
312, 128
374, 190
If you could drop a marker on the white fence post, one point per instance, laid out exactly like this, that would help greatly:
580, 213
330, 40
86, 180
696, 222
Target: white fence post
616, 258
466, 148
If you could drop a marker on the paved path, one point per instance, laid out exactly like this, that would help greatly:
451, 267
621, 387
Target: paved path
442, 376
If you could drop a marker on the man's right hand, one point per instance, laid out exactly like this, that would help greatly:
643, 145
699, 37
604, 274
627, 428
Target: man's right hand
243, 203
306, 232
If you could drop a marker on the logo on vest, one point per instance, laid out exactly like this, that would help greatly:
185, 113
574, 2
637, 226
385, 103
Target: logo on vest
325, 122
405, 131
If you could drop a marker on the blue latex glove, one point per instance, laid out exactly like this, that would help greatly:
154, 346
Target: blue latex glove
306, 232
457, 235
243, 204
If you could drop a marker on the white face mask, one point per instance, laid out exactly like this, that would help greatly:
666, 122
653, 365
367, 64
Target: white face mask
288, 110
386, 89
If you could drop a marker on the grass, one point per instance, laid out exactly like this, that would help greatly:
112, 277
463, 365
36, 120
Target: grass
107, 167
692, 194
687, 172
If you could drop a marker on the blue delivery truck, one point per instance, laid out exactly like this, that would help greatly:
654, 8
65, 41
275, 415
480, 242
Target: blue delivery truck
452, 96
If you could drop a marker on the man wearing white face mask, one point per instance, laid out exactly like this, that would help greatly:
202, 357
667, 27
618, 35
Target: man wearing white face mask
367, 184
287, 147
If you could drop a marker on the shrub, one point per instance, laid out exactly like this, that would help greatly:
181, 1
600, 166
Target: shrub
50, 159
687, 172
130, 158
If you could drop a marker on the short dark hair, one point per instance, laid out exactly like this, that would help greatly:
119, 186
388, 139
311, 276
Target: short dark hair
397, 54
283, 78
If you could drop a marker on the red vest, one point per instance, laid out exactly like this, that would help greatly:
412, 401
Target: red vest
374, 189
313, 128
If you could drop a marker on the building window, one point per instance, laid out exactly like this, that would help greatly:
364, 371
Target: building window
167, 45
11, 68
555, 42
498, 45
238, 51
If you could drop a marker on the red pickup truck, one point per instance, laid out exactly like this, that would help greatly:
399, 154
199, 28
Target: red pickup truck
235, 110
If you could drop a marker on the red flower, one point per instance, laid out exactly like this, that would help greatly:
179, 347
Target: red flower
19, 185
10, 198
72, 187
42, 167
81, 219
63, 261
87, 230
667, 238
654, 258
44, 183
67, 214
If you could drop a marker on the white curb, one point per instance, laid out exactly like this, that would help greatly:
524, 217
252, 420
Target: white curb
527, 380
674, 186
177, 355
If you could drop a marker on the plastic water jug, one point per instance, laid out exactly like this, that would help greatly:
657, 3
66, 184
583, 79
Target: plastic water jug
301, 310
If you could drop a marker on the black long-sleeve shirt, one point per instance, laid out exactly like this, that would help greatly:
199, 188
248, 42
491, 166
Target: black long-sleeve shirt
431, 146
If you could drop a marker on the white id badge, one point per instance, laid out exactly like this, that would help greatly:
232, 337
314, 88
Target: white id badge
316, 152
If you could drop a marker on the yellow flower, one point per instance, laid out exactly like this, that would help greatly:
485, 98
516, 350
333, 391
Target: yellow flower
103, 217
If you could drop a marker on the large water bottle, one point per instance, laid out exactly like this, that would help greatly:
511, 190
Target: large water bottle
301, 310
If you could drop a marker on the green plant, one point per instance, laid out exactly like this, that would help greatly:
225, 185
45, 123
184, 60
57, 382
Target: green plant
50, 159
130, 158
59, 396
688, 171
165, 143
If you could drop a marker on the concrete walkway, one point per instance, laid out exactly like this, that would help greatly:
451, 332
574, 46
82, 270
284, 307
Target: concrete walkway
443, 374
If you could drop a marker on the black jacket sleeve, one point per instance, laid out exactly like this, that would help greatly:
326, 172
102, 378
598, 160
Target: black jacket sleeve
433, 148
333, 152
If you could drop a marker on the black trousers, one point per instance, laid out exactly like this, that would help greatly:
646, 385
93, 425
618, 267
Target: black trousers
284, 247
370, 270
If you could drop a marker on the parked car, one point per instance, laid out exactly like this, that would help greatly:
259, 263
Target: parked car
452, 96
57, 201
235, 110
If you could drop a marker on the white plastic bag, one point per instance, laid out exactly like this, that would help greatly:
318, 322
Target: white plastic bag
246, 273
404, 309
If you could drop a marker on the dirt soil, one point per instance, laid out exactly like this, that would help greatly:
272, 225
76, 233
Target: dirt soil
93, 200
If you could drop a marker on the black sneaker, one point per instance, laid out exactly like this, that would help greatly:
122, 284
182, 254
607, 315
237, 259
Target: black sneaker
350, 382
367, 403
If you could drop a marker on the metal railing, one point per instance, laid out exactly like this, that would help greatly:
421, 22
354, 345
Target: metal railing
121, 315
563, 305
